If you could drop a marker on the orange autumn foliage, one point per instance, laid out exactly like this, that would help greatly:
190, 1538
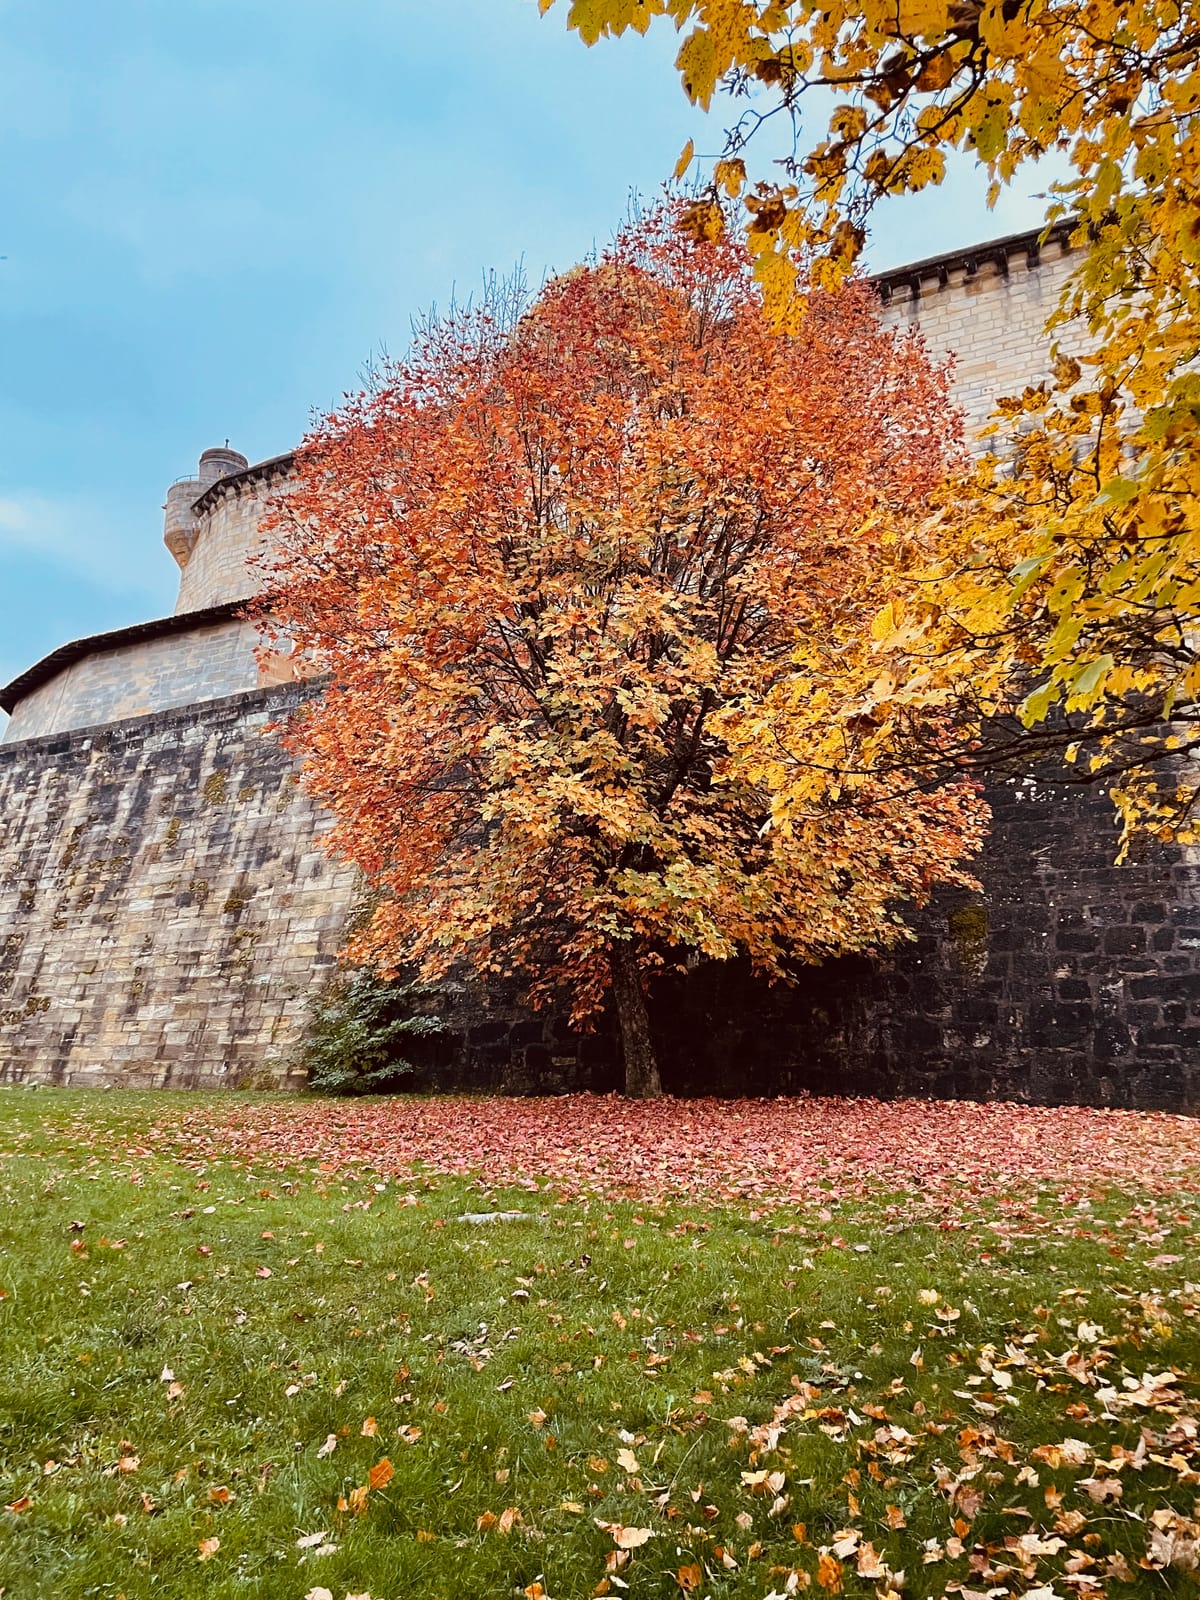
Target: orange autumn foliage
539, 558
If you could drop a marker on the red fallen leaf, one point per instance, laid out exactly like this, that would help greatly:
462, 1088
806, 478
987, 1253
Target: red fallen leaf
17, 1506
381, 1474
221, 1495
690, 1577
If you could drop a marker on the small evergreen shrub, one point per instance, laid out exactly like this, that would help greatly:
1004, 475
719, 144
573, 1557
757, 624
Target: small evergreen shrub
369, 1035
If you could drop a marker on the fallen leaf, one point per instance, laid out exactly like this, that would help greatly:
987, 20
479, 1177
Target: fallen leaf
1102, 1489
829, 1574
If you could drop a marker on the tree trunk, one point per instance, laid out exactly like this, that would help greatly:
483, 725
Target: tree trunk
642, 1081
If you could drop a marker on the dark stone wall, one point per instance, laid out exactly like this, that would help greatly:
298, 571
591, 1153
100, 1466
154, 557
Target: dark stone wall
1069, 979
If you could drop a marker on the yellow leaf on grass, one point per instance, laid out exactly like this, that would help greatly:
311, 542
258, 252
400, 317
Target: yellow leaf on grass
829, 1574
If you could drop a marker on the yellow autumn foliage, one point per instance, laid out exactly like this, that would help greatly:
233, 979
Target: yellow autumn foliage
1064, 588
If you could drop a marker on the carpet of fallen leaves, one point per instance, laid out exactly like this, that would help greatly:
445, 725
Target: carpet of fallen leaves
720, 1151
734, 1350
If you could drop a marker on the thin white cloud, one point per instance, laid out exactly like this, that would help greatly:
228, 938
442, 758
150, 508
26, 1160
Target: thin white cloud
80, 537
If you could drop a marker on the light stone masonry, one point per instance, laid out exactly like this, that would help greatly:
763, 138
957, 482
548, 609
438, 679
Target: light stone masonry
226, 540
141, 677
991, 324
166, 911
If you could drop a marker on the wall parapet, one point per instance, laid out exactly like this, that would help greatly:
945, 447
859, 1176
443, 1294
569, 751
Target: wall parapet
1030, 243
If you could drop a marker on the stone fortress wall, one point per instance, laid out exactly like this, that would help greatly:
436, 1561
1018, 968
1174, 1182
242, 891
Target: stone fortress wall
166, 909
205, 651
986, 308
132, 677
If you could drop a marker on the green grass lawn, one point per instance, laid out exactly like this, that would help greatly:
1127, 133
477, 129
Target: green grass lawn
226, 1376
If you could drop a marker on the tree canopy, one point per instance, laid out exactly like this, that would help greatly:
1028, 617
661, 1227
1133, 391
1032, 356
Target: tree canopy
549, 560
1076, 576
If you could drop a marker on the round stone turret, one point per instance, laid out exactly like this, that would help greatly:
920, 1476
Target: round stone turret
211, 526
214, 573
179, 523
219, 463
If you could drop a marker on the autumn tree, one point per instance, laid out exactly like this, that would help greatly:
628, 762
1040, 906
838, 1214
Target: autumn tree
1069, 589
540, 558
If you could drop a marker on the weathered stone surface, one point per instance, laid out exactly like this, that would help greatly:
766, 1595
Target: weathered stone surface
134, 679
166, 913
165, 905
1068, 980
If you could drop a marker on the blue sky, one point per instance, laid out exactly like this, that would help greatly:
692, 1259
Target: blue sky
215, 212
